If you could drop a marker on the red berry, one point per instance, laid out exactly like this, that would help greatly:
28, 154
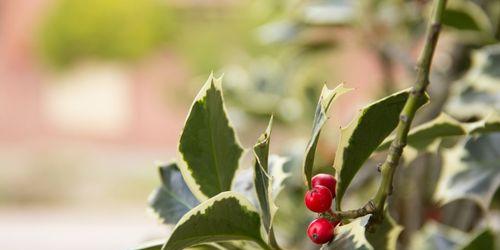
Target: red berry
318, 199
325, 180
320, 231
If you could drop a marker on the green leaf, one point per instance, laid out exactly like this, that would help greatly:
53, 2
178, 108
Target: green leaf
208, 144
268, 181
364, 134
262, 178
484, 241
466, 15
227, 245
158, 244
320, 118
354, 235
224, 217
173, 199
471, 170
350, 236
424, 135
488, 125
386, 235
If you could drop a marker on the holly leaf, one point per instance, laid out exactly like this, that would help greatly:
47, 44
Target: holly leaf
471, 170
477, 94
437, 236
485, 240
488, 125
425, 134
364, 134
268, 181
224, 217
350, 236
466, 16
243, 184
386, 235
354, 235
208, 144
320, 118
262, 177
227, 245
278, 174
158, 244
173, 198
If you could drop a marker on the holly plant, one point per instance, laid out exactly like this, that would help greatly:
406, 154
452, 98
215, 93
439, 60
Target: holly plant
214, 204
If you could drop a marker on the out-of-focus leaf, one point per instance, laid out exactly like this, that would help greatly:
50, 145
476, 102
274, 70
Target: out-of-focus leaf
386, 235
243, 184
484, 241
471, 170
331, 13
488, 125
224, 217
320, 118
466, 15
437, 237
278, 32
350, 236
173, 199
208, 144
278, 174
364, 134
477, 94
354, 235
423, 136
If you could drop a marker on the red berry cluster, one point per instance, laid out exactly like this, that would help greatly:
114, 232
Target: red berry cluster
319, 200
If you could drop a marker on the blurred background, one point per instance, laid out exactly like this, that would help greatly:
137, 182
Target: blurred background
94, 92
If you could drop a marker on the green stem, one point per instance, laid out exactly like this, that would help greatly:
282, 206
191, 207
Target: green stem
408, 113
368, 208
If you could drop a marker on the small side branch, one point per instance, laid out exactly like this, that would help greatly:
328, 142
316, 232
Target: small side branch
368, 208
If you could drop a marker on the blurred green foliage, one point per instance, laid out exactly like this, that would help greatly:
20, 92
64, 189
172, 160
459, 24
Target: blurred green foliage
210, 37
104, 29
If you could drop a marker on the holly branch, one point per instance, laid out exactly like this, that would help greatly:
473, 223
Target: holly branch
388, 168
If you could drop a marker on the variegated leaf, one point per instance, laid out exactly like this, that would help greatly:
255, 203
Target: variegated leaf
320, 118
224, 217
173, 198
364, 134
208, 145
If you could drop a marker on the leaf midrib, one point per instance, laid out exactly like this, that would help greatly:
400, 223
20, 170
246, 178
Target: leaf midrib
212, 145
176, 197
